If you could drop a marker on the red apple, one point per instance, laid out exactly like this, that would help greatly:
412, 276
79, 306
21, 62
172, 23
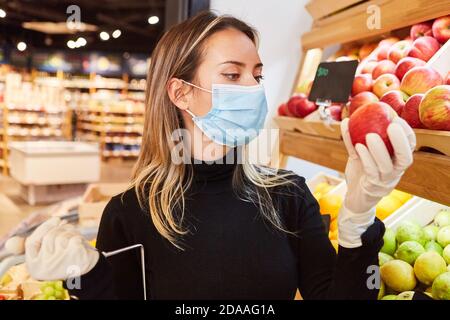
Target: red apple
371, 118
368, 66
335, 112
284, 111
383, 67
385, 83
361, 99
300, 106
420, 30
399, 50
405, 64
434, 109
447, 79
441, 29
396, 99
411, 111
424, 48
383, 47
420, 80
362, 82
367, 49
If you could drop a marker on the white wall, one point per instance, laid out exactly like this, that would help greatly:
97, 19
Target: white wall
280, 25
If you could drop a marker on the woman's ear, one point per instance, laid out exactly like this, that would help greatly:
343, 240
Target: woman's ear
177, 93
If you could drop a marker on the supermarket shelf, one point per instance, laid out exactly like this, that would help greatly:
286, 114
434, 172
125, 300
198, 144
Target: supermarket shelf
125, 118
115, 139
36, 109
35, 121
114, 110
121, 153
428, 177
351, 24
127, 128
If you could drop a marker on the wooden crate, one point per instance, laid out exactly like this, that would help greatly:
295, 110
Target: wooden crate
321, 8
315, 128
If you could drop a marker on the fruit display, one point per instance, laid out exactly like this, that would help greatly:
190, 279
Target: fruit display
52, 290
416, 258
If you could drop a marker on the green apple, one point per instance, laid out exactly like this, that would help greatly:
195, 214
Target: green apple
428, 266
431, 232
441, 286
390, 297
390, 244
406, 295
443, 236
433, 246
446, 254
410, 231
382, 291
398, 275
442, 218
408, 251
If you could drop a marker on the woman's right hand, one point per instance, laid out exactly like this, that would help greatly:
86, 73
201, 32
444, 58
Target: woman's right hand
56, 251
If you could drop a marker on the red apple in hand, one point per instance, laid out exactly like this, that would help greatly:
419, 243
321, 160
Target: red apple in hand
300, 106
399, 50
434, 109
362, 82
411, 111
371, 118
383, 67
396, 99
420, 80
405, 64
424, 48
385, 83
361, 99
420, 30
441, 29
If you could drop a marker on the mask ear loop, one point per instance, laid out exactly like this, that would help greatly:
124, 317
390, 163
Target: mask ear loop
200, 88
190, 113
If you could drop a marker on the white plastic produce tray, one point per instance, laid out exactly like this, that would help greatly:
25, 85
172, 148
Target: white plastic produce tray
421, 212
54, 162
323, 177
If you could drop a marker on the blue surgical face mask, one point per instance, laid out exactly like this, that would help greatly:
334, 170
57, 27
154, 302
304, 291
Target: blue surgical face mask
236, 116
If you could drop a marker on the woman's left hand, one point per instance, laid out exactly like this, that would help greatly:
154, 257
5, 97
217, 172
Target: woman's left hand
371, 173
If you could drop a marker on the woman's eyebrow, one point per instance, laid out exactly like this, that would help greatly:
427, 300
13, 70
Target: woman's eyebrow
241, 64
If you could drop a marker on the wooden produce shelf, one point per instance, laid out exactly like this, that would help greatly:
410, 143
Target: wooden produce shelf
428, 177
351, 24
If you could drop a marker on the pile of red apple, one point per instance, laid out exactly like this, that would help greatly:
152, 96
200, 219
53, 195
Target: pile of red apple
395, 72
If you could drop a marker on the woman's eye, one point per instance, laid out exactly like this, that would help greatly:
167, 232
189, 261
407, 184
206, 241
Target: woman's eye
259, 78
232, 76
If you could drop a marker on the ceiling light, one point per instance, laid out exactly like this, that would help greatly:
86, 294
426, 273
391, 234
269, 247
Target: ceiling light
2, 13
21, 46
81, 42
153, 20
104, 35
71, 44
116, 33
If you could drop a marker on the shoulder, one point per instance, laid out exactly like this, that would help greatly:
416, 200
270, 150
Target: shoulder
122, 205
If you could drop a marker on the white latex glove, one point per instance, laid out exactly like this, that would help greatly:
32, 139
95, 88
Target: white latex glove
371, 174
56, 251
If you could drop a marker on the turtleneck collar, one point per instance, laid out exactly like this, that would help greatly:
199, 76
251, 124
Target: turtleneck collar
210, 175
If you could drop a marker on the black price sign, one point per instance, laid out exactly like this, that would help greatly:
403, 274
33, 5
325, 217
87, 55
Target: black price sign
333, 81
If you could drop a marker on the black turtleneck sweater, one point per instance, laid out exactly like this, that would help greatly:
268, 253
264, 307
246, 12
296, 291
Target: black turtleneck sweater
231, 252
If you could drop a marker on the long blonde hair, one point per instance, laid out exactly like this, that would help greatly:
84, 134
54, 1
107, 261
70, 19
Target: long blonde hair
159, 183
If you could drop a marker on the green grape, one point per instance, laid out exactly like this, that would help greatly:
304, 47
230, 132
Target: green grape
40, 297
51, 298
44, 285
59, 294
59, 285
49, 291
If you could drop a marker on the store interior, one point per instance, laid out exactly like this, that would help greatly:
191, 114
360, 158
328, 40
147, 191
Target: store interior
72, 91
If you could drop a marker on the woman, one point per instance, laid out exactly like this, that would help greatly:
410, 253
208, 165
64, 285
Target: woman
223, 230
